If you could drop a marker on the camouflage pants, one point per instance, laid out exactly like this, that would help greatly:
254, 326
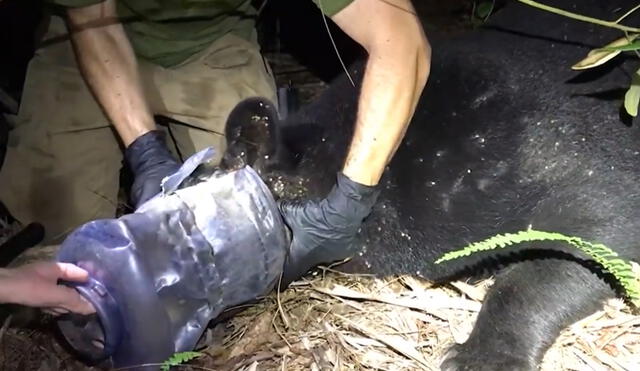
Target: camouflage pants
64, 158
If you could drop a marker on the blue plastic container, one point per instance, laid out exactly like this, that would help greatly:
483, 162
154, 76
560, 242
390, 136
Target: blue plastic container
159, 275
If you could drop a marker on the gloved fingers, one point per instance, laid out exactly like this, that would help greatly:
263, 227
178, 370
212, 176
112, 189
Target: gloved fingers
325, 231
303, 243
144, 193
296, 265
286, 207
150, 161
293, 212
302, 259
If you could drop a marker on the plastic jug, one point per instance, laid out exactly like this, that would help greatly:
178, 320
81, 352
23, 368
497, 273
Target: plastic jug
159, 275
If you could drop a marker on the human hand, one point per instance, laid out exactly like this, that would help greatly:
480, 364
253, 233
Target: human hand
150, 161
325, 231
36, 285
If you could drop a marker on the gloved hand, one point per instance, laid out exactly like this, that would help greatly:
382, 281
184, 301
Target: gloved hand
150, 161
325, 231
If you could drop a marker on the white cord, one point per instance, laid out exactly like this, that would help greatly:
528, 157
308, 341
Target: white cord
326, 25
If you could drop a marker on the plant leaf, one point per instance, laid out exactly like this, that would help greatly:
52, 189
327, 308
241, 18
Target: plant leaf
179, 358
623, 48
600, 56
632, 97
484, 9
627, 273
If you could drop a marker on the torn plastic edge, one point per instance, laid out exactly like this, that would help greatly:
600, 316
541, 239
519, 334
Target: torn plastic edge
172, 182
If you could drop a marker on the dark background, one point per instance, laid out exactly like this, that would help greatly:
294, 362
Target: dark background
286, 26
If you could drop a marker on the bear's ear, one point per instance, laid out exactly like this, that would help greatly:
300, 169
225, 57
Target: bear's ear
251, 134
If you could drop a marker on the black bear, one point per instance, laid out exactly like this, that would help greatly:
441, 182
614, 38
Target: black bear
506, 137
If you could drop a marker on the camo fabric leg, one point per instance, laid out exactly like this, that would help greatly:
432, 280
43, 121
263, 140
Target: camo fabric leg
63, 160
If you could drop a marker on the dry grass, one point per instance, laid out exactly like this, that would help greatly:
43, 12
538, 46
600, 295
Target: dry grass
333, 321
341, 322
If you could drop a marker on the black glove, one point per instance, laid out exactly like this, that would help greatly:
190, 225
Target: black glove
150, 161
325, 231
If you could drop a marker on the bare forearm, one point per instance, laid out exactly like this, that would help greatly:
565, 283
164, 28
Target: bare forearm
389, 94
109, 66
397, 71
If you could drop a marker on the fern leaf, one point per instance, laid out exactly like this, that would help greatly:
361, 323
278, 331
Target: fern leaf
627, 273
179, 358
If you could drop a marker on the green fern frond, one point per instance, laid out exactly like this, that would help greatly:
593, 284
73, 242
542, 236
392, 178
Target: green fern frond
627, 273
179, 358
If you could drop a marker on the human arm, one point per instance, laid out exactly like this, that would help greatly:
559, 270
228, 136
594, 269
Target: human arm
396, 73
109, 66
398, 65
36, 285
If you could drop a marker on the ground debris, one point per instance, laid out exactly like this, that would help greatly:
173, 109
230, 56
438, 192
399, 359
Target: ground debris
336, 321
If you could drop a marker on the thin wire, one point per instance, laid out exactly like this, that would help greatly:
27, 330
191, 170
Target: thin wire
399, 7
326, 25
